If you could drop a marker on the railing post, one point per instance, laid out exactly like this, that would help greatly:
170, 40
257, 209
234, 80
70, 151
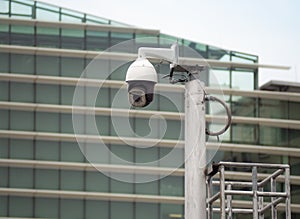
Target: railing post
273, 208
261, 204
229, 203
222, 192
287, 190
254, 189
209, 194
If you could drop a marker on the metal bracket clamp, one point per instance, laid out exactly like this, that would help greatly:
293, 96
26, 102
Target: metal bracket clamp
187, 73
228, 112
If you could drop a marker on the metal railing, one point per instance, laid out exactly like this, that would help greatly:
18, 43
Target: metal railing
256, 188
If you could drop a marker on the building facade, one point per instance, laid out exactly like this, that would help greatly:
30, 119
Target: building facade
45, 49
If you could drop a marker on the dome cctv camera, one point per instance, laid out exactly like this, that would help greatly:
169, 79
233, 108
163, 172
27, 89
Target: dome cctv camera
141, 78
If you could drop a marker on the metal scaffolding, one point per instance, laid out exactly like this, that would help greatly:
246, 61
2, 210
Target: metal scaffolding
266, 193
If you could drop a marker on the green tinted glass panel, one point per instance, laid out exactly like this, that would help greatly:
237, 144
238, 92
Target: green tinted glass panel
21, 92
274, 109
4, 7
71, 209
118, 69
119, 98
102, 125
96, 182
244, 106
171, 157
47, 122
92, 128
273, 136
97, 40
46, 208
71, 180
44, 14
122, 152
22, 35
244, 133
4, 89
4, 33
21, 149
216, 53
19, 8
4, 62
47, 37
96, 154
23, 64
46, 179
72, 67
97, 68
122, 210
119, 38
47, 30
47, 94
294, 138
122, 126
145, 155
120, 186
97, 97
47, 150
172, 186
20, 207
96, 209
70, 151
20, 178
244, 58
67, 95
3, 206
20, 120
242, 80
70, 19
219, 78
293, 112
72, 39
151, 209
47, 65
171, 101
66, 125
4, 117
174, 130
22, 29
4, 176
71, 16
167, 209
4, 147
147, 128
150, 188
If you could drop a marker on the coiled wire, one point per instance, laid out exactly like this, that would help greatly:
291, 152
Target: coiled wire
228, 112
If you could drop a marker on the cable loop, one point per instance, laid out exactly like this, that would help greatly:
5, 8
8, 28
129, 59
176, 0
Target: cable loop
212, 98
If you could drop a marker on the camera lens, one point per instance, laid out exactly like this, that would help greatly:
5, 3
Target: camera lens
137, 97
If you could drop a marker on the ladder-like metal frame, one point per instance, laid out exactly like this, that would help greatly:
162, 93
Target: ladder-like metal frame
252, 188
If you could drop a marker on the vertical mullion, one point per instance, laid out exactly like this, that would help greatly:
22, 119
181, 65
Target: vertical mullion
230, 96
60, 143
9, 111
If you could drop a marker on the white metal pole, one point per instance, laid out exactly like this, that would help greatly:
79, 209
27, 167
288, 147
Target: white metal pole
195, 151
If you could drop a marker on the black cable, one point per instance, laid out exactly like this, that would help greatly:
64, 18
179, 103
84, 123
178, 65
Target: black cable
212, 98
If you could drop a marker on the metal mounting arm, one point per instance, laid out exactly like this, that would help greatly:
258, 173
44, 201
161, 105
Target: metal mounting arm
168, 54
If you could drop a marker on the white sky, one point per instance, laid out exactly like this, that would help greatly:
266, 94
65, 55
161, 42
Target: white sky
267, 28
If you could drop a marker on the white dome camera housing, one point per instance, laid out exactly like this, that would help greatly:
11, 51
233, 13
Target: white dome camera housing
141, 78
